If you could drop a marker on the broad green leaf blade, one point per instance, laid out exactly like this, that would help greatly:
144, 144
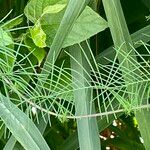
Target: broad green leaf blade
143, 117
38, 35
110, 53
141, 35
47, 19
52, 9
73, 10
22, 128
41, 125
88, 24
5, 39
50, 23
38, 52
34, 8
88, 134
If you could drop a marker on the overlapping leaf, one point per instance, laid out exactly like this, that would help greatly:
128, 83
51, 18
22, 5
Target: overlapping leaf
88, 24
21, 126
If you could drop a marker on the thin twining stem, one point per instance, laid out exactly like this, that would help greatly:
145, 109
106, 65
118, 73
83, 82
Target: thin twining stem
86, 116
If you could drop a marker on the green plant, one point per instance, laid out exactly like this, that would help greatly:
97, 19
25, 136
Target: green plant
52, 69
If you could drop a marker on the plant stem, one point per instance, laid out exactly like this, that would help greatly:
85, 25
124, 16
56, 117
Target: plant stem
88, 134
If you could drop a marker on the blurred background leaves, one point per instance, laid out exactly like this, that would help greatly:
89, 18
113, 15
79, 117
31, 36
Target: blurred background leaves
125, 130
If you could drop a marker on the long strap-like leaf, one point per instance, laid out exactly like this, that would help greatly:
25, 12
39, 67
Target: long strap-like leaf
88, 134
143, 118
110, 53
22, 128
72, 12
120, 35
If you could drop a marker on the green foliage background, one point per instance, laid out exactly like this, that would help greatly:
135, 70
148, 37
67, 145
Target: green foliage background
57, 58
